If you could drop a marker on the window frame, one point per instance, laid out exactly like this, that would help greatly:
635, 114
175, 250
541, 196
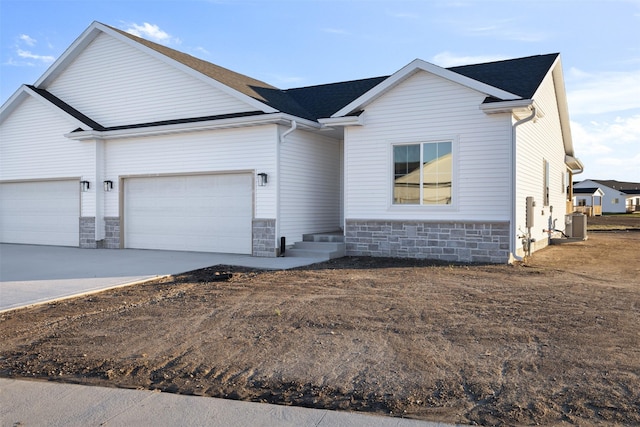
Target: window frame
454, 175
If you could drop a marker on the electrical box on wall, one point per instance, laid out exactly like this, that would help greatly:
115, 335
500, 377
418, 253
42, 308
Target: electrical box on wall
529, 212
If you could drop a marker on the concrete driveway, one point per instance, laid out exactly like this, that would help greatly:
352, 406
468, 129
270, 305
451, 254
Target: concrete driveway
31, 274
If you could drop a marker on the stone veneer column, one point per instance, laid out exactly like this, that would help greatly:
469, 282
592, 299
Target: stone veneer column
264, 238
112, 232
447, 241
88, 232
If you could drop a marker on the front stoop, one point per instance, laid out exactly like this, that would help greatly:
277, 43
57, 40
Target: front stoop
321, 245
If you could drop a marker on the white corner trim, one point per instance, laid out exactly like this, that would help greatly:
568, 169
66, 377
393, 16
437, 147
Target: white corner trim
412, 68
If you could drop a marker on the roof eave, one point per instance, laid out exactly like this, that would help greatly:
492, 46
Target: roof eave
574, 164
236, 122
342, 121
25, 91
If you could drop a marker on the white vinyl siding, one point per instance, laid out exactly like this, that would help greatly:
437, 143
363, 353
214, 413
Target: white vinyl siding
205, 213
34, 147
540, 146
116, 84
40, 212
422, 108
309, 185
225, 150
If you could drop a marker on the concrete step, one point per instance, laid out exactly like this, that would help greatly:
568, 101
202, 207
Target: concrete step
323, 250
332, 236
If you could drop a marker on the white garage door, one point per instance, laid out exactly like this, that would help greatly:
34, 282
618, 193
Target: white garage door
40, 213
205, 213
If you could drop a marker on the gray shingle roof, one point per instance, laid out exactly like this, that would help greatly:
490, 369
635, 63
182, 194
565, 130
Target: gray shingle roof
520, 76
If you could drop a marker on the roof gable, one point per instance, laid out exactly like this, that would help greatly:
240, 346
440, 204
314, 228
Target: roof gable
234, 84
420, 65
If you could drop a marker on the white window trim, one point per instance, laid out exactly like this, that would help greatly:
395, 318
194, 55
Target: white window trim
455, 178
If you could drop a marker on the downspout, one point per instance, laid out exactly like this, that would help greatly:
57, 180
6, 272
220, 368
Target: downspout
294, 126
281, 240
512, 242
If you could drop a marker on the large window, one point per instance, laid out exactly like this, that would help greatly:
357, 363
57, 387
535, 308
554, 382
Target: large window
422, 173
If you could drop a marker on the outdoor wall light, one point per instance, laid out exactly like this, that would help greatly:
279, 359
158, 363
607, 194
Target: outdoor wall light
84, 186
263, 178
108, 186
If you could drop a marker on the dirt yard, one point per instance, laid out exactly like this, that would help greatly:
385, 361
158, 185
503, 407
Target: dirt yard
553, 341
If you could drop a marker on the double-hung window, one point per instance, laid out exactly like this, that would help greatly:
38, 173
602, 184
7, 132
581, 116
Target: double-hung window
423, 173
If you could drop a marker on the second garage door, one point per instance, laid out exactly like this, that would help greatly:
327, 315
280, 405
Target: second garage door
205, 213
40, 212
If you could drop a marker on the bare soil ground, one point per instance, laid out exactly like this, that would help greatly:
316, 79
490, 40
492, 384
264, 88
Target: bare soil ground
552, 341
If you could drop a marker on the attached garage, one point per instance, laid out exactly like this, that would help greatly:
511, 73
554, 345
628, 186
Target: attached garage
40, 212
205, 213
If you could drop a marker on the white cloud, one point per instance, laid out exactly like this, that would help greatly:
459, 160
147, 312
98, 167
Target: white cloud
609, 149
603, 92
25, 54
27, 40
448, 59
151, 32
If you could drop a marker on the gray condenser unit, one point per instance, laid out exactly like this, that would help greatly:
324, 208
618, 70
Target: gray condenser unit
575, 226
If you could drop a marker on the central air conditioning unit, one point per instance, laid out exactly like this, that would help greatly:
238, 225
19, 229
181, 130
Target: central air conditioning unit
575, 226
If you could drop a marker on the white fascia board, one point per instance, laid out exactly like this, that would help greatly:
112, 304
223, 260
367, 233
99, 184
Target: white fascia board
236, 122
342, 121
22, 93
563, 106
190, 71
420, 65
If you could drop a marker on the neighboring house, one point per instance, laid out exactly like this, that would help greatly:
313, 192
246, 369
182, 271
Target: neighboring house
124, 143
588, 200
619, 197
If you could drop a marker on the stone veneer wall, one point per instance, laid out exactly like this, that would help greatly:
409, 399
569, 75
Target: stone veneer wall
112, 232
88, 232
448, 241
264, 238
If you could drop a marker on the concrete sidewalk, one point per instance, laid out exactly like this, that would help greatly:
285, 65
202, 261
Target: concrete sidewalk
31, 274
40, 403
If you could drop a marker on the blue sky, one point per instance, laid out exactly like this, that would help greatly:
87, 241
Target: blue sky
293, 43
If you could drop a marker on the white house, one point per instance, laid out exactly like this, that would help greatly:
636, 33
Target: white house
124, 143
618, 197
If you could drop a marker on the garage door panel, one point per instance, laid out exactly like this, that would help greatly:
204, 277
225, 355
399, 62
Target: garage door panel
209, 213
40, 212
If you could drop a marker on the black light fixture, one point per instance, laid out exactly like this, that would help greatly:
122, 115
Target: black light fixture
108, 186
84, 186
263, 178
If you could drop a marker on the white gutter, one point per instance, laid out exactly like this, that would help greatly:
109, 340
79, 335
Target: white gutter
256, 120
342, 121
512, 240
